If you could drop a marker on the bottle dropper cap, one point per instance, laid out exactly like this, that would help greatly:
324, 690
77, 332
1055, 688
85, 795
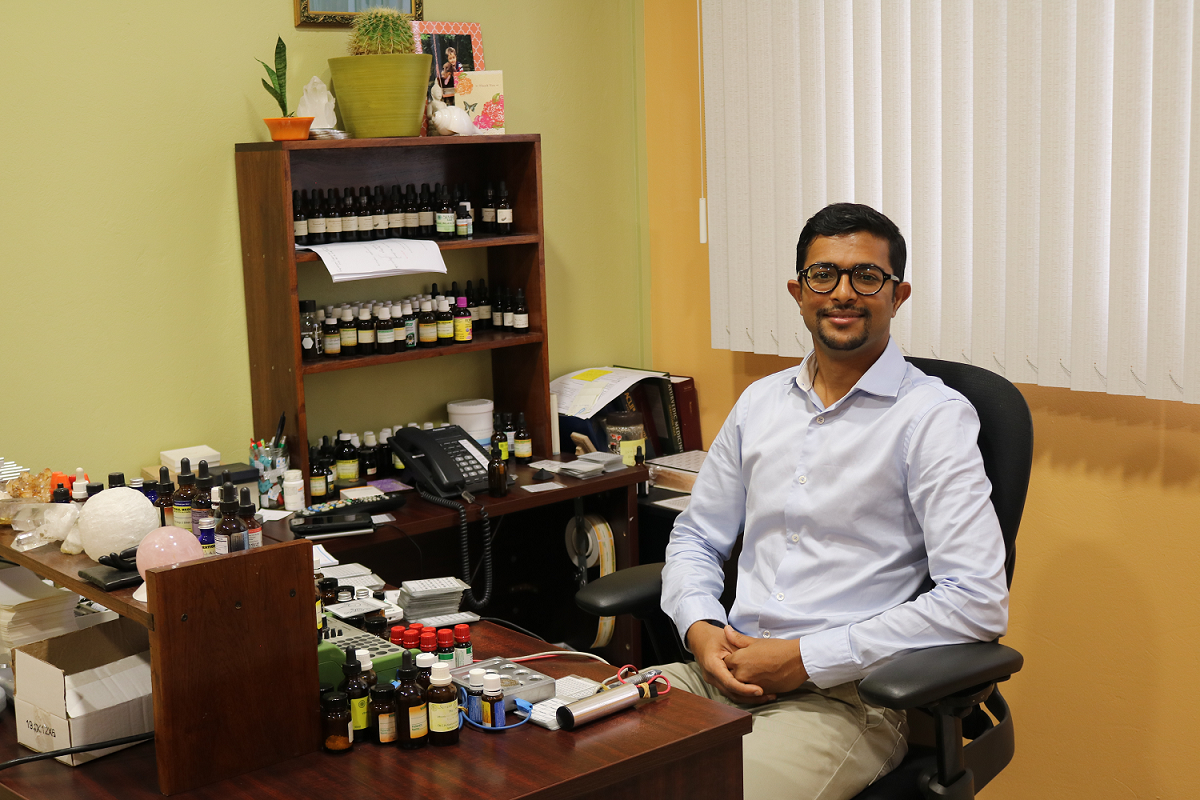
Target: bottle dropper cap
229, 500
385, 312
491, 683
246, 506
60, 495
440, 675
204, 480
369, 438
408, 669
186, 477
426, 305
79, 488
116, 479
364, 658
94, 489
345, 437
364, 312
475, 676
164, 481
426, 660
347, 315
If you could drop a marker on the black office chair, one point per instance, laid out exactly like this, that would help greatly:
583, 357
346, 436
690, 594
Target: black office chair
948, 683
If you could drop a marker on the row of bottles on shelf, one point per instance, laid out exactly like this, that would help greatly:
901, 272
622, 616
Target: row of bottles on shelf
444, 212
348, 461
429, 320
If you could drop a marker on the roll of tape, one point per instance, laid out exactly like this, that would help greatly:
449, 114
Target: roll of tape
602, 551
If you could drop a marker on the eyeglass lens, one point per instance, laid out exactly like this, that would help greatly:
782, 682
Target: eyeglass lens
864, 279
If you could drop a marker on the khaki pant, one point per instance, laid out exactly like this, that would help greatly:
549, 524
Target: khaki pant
810, 744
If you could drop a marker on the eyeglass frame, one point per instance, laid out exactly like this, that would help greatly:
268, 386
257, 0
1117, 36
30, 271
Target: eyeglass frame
840, 272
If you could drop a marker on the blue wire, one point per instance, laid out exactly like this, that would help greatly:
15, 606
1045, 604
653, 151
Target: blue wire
463, 717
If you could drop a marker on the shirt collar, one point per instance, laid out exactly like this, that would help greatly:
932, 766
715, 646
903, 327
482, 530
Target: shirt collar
883, 379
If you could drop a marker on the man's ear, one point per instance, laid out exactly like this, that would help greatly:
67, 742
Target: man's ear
796, 291
903, 291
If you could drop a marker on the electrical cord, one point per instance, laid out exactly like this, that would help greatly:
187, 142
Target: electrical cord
492, 541
410, 540
469, 598
513, 626
83, 748
464, 719
564, 653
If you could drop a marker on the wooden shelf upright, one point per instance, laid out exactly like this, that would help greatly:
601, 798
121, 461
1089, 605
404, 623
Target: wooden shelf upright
268, 172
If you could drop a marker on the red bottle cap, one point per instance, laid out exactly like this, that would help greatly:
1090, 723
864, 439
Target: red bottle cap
410, 640
445, 638
428, 641
416, 626
462, 632
394, 636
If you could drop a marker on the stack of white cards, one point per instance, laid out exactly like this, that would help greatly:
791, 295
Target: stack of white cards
31, 611
430, 598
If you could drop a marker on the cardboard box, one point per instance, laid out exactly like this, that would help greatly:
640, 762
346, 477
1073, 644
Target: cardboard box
88, 686
194, 455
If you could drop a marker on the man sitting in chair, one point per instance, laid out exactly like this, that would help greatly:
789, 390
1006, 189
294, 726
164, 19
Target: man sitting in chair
868, 528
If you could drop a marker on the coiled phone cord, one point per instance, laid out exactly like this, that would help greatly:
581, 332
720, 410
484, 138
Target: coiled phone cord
461, 508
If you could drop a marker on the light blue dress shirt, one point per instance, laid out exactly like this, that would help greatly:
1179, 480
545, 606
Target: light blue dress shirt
868, 526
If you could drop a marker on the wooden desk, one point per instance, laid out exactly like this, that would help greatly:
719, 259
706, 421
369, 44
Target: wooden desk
677, 746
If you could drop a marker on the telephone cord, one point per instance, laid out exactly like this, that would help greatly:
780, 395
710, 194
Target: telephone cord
469, 594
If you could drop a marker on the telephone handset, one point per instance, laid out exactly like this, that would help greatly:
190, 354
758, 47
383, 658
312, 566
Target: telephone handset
444, 461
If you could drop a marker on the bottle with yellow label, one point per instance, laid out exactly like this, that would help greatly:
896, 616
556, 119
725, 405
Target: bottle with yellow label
412, 720
462, 322
359, 694
347, 459
442, 698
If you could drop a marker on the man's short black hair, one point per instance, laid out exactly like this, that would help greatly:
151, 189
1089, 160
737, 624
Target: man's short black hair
839, 219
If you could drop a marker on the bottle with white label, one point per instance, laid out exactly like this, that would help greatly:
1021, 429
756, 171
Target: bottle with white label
332, 335
230, 534
509, 311
379, 214
333, 217
520, 312
349, 331
366, 226
253, 524
316, 218
498, 308
445, 323
487, 223
385, 333
299, 221
347, 459
504, 212
523, 441
484, 301
366, 332
442, 699
444, 218
425, 220
395, 213
349, 217
411, 221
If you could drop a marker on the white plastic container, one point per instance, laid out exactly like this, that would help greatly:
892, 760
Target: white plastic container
473, 416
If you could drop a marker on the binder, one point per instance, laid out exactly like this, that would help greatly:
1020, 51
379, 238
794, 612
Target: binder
687, 409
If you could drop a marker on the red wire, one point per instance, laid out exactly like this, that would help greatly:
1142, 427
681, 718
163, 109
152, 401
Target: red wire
665, 680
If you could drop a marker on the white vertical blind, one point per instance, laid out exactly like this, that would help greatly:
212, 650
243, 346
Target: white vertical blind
1037, 155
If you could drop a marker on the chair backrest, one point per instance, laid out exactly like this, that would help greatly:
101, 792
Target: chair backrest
1005, 439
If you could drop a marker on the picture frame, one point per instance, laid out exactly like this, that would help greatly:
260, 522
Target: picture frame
464, 42
318, 13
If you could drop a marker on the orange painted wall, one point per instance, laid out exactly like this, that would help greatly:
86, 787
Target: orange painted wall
1106, 599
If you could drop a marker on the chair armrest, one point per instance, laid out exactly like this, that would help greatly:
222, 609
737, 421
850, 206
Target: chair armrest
926, 676
628, 591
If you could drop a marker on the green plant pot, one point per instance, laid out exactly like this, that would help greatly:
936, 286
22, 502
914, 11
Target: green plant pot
381, 95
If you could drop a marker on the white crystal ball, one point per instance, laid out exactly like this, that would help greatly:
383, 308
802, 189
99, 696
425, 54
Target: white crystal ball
115, 520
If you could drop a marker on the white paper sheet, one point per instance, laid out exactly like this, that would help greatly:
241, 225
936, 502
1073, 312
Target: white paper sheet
352, 261
583, 393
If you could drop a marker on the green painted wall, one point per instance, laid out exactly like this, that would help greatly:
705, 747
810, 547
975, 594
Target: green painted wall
120, 273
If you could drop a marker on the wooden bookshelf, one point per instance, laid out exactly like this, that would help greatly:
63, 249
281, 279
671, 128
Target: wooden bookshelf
267, 172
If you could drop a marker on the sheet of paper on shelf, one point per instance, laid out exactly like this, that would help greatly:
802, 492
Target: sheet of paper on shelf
691, 461
676, 503
326, 558
584, 392
353, 261
549, 466
272, 514
542, 487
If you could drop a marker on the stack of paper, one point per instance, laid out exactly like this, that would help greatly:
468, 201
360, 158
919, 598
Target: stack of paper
31, 611
430, 598
581, 469
611, 461
352, 261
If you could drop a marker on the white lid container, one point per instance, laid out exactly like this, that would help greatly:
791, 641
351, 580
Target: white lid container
473, 415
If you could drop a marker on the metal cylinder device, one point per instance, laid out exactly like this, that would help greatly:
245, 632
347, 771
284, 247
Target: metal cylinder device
602, 704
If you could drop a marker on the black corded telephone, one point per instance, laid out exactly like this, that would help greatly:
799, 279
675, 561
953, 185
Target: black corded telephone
447, 466
444, 461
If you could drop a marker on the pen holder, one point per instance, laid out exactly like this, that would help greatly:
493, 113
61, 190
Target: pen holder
271, 462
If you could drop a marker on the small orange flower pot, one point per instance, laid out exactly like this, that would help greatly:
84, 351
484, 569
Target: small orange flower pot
288, 129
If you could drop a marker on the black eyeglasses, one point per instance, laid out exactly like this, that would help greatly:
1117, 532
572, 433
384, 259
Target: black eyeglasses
866, 279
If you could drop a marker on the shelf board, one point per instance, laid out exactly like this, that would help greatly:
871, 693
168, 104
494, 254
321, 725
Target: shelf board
399, 141
482, 240
487, 340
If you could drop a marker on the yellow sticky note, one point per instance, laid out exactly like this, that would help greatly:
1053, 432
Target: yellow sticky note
592, 374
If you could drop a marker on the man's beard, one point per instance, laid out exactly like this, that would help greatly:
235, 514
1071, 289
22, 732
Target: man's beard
844, 344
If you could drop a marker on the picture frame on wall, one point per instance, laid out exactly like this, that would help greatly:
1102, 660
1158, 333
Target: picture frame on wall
456, 47
341, 13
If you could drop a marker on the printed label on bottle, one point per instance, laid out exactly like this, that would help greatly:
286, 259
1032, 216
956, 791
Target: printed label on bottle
428, 331
395, 220
445, 329
371, 469
443, 717
445, 223
316, 225
199, 514
208, 541
474, 312
349, 224
387, 727
418, 722
300, 227
462, 329
475, 708
460, 226
347, 470
497, 319
350, 730
349, 337
306, 341
508, 319
411, 219
524, 448
358, 713
520, 320
183, 514
493, 714
253, 538
504, 450
221, 544
168, 516
379, 222
387, 335
485, 311
410, 333
333, 343
489, 215
333, 225
425, 218
366, 336
317, 486
503, 215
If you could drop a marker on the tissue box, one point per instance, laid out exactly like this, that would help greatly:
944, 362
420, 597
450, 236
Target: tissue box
170, 458
88, 686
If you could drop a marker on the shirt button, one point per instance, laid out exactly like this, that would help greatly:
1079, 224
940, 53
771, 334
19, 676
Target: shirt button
820, 420
779, 596
802, 479
795, 537
766, 634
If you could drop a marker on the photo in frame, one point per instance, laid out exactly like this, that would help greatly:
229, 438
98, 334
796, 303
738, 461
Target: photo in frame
456, 47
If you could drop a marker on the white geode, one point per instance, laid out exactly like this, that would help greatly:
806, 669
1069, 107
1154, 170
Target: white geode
317, 103
115, 520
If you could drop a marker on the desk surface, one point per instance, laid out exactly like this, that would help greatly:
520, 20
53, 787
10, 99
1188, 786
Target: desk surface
677, 746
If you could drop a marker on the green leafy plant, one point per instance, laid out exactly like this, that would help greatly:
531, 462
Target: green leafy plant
277, 88
380, 31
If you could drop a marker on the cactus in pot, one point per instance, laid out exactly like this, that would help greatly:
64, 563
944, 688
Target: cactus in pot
381, 31
380, 88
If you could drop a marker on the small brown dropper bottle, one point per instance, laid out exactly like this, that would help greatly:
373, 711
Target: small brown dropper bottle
166, 511
230, 533
181, 498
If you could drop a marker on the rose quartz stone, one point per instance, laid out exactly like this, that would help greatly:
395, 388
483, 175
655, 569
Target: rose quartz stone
165, 547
